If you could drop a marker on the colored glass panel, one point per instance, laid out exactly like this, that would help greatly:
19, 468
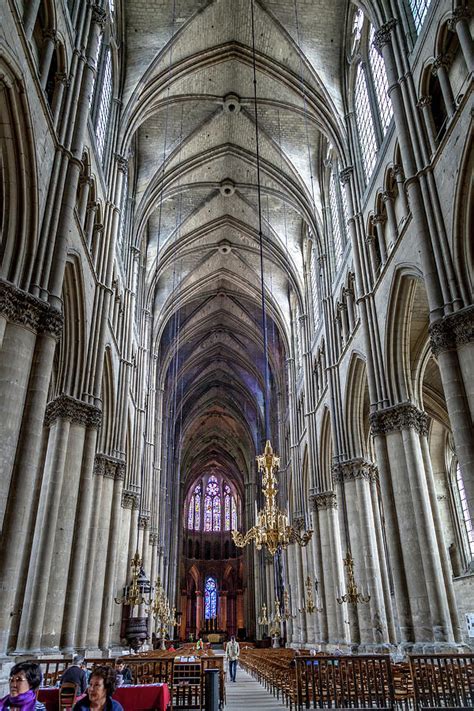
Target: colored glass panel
234, 514
191, 513
197, 512
208, 513
227, 512
216, 513
210, 599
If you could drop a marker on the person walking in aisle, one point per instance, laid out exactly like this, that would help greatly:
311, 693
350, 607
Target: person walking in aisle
232, 653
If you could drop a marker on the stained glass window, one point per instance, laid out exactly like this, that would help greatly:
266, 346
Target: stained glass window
379, 76
419, 8
227, 507
194, 511
212, 506
102, 118
365, 124
234, 514
465, 510
210, 599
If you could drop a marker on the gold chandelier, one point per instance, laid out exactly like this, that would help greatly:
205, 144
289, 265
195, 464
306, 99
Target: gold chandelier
272, 528
352, 596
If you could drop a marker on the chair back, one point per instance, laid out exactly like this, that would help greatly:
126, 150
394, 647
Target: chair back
67, 695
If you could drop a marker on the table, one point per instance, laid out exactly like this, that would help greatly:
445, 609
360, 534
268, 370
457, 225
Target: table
146, 697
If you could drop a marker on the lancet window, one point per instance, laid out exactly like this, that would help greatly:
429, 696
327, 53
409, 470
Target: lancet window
418, 9
104, 98
230, 510
194, 510
210, 599
212, 506
372, 105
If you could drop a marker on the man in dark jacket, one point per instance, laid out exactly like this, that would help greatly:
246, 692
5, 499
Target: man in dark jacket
76, 674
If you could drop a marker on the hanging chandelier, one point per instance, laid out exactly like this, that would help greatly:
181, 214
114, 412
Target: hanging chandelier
352, 596
272, 528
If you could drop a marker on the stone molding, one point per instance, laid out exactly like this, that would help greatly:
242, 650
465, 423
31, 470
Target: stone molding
452, 331
109, 467
99, 16
143, 521
383, 35
352, 469
345, 175
400, 417
24, 309
68, 408
461, 12
324, 500
130, 499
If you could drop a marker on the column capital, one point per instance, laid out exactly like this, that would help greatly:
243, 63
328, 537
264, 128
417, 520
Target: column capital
143, 521
122, 163
24, 309
399, 417
324, 500
298, 522
398, 170
109, 467
68, 408
441, 61
452, 331
460, 13
129, 499
50, 34
153, 539
99, 16
387, 196
352, 469
379, 219
384, 35
345, 174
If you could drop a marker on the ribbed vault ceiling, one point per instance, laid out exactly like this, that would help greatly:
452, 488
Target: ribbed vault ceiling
189, 125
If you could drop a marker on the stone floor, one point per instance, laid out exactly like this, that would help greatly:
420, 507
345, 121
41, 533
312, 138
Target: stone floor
248, 695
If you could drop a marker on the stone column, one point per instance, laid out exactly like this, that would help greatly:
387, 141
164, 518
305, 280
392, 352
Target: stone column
223, 610
459, 23
400, 179
387, 197
403, 426
79, 547
440, 69
379, 221
199, 612
118, 468
321, 624
424, 104
29, 17
49, 46
18, 307
60, 415
325, 504
452, 344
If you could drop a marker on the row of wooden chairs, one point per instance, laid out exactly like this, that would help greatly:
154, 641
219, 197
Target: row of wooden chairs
426, 682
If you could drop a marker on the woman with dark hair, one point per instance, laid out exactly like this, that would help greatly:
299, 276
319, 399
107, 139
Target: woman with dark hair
25, 678
102, 683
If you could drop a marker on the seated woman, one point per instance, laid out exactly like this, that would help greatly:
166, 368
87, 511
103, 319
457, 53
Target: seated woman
25, 678
102, 683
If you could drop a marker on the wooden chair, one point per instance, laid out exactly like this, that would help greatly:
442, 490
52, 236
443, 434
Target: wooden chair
67, 695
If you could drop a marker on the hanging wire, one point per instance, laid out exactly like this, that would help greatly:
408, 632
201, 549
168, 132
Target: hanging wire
266, 399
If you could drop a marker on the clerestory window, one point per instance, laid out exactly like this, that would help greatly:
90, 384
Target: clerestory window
418, 9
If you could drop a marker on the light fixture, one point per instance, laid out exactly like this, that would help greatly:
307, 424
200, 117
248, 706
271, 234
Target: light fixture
272, 528
263, 619
352, 596
164, 616
287, 615
309, 605
133, 593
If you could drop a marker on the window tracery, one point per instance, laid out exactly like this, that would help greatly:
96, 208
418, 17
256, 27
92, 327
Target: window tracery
210, 599
212, 506
194, 510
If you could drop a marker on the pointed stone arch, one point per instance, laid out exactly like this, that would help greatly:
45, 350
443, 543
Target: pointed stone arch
357, 408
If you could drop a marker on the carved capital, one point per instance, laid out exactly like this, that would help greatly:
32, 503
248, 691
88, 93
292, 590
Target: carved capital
452, 331
324, 500
379, 219
354, 469
50, 35
345, 175
130, 499
109, 467
387, 196
68, 408
443, 61
154, 538
398, 171
143, 521
298, 522
400, 417
122, 163
99, 16
384, 35
61, 78
424, 101
460, 13
23, 309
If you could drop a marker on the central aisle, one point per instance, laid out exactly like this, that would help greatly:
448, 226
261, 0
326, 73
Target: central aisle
248, 694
